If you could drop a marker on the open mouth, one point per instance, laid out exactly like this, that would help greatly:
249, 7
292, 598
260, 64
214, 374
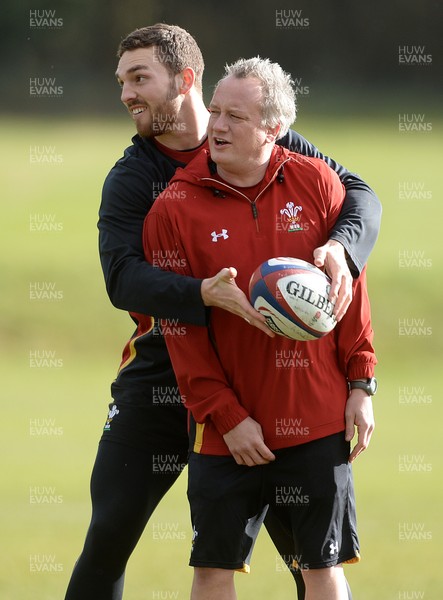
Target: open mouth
220, 142
136, 111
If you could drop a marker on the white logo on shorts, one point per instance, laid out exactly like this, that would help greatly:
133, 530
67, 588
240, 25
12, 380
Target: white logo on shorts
333, 548
113, 411
194, 537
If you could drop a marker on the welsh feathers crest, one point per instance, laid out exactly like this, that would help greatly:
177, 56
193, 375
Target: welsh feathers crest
290, 213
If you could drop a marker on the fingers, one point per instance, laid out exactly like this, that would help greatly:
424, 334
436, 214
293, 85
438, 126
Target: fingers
245, 310
350, 426
331, 257
265, 454
254, 457
340, 295
359, 413
228, 274
364, 436
245, 442
319, 257
256, 319
252, 454
222, 291
355, 452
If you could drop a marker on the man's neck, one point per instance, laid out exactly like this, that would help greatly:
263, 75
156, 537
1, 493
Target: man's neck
189, 129
246, 178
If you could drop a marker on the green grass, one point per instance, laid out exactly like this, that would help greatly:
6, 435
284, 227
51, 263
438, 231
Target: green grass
86, 334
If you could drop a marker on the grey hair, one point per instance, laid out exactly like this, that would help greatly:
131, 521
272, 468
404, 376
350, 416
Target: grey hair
279, 104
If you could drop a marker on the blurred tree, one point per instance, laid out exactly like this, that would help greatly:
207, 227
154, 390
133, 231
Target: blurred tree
345, 48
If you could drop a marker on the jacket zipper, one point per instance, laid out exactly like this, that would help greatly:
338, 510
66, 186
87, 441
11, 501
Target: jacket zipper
251, 202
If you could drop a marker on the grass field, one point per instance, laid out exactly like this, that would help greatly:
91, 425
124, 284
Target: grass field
60, 345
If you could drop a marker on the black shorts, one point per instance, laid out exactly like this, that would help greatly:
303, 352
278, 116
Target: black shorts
154, 418
309, 487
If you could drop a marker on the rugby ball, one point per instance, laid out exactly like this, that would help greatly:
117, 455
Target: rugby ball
293, 295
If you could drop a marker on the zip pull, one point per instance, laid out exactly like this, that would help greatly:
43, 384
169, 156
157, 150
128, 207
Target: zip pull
254, 210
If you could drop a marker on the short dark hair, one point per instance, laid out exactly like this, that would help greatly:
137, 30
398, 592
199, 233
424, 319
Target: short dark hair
176, 48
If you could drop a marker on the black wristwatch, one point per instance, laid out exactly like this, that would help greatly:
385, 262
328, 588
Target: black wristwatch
369, 386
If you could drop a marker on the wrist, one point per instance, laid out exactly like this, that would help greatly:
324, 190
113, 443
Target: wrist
204, 291
335, 243
368, 385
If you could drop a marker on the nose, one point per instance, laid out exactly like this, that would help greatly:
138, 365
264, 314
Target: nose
219, 122
127, 93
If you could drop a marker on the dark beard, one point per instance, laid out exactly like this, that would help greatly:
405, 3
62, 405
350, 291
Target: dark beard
163, 117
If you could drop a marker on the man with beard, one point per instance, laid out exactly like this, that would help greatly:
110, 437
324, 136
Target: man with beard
160, 72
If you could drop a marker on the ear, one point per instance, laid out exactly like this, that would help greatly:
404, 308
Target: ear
186, 80
272, 133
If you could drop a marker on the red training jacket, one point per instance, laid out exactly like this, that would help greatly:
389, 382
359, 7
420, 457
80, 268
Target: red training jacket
296, 391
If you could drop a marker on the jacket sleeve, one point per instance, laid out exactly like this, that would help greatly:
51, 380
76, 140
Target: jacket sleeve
133, 284
355, 335
200, 376
358, 225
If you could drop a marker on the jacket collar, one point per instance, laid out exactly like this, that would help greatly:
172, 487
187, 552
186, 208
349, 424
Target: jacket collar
202, 170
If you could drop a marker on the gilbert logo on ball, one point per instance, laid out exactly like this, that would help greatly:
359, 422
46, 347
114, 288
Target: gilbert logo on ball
293, 295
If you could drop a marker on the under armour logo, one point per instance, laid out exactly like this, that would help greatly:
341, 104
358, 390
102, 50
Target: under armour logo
333, 548
223, 234
194, 537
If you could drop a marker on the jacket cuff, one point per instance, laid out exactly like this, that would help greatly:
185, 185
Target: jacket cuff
228, 418
361, 370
